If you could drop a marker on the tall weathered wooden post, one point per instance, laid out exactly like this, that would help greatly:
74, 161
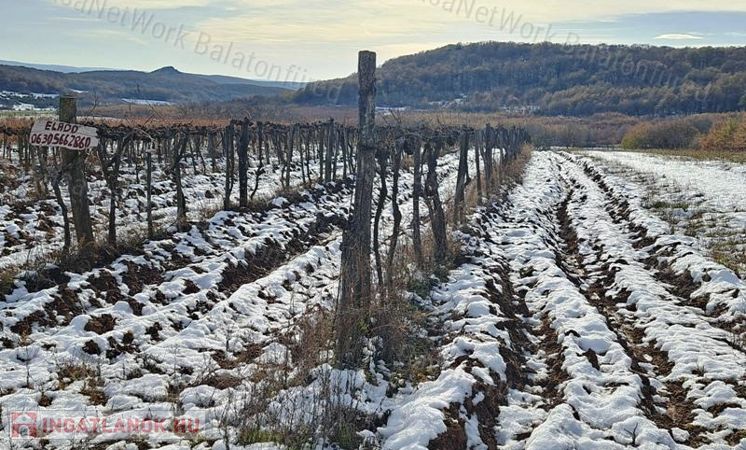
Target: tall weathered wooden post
355, 283
74, 163
229, 164
462, 177
243, 165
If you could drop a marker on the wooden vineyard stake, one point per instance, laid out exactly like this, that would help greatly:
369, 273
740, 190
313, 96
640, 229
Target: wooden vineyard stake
355, 283
74, 162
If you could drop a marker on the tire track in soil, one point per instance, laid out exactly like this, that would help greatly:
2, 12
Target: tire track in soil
542, 354
572, 263
525, 365
677, 408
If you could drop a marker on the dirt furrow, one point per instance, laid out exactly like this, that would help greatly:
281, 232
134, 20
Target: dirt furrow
648, 362
168, 275
676, 261
699, 375
587, 367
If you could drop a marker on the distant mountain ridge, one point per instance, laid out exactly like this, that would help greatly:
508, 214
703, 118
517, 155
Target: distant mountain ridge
52, 67
166, 84
554, 79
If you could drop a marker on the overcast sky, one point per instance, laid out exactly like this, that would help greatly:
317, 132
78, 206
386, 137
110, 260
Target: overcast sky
301, 40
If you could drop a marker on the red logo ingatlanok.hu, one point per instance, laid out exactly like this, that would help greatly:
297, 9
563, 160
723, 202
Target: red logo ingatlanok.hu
64, 425
23, 424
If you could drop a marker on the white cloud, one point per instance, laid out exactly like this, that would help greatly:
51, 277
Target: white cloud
555, 11
678, 37
386, 21
323, 35
373, 21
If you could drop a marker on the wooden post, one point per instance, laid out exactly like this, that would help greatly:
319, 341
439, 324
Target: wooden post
182, 223
355, 282
243, 165
74, 162
321, 153
228, 150
211, 151
329, 152
382, 157
417, 193
461, 179
489, 144
260, 169
290, 150
149, 193
395, 167
435, 205
110, 169
63, 209
479, 140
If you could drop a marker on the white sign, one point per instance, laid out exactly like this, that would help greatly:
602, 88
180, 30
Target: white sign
51, 133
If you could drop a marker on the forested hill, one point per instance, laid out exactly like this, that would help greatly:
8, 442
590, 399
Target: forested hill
37, 87
555, 79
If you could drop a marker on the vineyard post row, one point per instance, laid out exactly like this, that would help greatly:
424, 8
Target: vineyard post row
322, 152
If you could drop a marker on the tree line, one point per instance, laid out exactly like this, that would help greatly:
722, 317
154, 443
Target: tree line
553, 79
707, 132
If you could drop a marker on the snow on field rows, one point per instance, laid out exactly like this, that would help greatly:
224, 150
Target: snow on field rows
704, 363
591, 392
706, 199
149, 323
578, 322
189, 324
478, 329
31, 229
721, 184
574, 320
719, 291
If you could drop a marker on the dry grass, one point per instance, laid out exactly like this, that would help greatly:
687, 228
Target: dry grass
265, 413
696, 154
69, 372
407, 163
7, 280
727, 254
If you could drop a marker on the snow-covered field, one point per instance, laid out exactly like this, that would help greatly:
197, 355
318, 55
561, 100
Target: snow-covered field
17, 101
705, 199
574, 319
581, 323
31, 228
192, 324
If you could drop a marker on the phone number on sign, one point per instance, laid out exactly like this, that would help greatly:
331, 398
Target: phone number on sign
61, 140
